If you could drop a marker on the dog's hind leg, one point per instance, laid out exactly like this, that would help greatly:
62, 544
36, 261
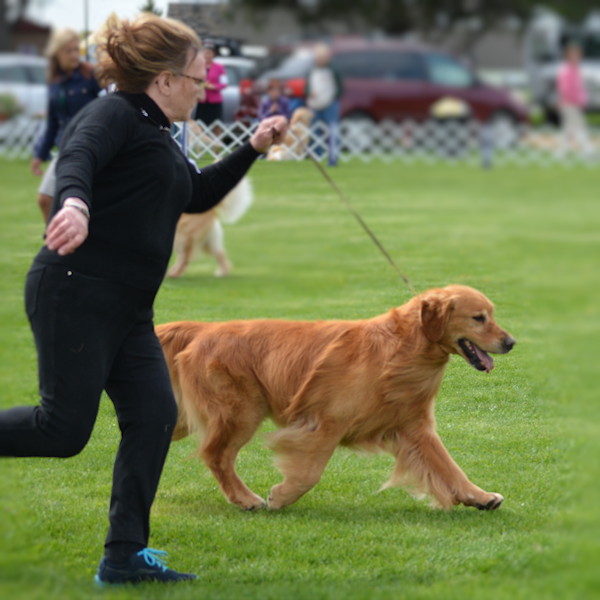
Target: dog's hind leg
183, 253
223, 438
302, 454
215, 245
219, 452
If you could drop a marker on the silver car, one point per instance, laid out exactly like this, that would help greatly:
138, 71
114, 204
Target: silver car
237, 68
24, 77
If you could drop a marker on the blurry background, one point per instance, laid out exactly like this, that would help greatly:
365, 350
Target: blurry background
514, 45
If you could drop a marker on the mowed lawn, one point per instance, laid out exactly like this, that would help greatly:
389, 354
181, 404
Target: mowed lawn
528, 238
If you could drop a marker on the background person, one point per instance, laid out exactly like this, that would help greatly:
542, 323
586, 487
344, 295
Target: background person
572, 99
210, 108
324, 89
121, 184
71, 86
274, 102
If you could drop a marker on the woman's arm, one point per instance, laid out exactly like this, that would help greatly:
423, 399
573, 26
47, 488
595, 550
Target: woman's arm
46, 142
213, 183
89, 143
91, 140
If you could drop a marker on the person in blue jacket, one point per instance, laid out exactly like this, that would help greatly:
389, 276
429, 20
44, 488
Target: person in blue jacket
71, 86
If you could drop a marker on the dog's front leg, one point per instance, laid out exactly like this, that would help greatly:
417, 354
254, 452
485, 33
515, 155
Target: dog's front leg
424, 462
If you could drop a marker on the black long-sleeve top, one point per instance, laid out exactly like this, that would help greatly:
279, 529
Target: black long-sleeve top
118, 156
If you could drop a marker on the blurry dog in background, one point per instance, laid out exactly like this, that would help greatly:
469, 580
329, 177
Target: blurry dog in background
296, 140
204, 231
367, 384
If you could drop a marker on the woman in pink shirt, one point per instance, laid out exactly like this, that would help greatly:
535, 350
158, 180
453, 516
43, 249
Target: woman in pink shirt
572, 98
211, 109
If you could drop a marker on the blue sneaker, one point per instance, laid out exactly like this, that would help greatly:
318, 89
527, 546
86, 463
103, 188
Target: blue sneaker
145, 565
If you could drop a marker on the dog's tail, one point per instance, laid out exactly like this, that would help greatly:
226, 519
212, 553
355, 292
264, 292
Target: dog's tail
236, 203
174, 338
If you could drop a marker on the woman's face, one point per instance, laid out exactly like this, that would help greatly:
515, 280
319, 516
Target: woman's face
209, 55
68, 56
190, 90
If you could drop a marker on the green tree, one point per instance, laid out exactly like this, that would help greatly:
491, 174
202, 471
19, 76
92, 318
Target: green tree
150, 7
425, 16
10, 11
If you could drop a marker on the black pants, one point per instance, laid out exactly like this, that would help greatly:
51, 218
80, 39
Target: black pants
92, 335
209, 112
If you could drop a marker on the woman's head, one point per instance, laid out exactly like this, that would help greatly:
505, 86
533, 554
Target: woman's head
275, 88
322, 54
63, 52
134, 53
209, 54
573, 52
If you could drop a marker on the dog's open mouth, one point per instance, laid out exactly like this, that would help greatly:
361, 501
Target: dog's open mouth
480, 359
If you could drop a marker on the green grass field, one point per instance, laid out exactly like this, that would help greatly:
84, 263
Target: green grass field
528, 238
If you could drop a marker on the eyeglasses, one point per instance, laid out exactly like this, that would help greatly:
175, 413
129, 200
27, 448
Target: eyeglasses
199, 82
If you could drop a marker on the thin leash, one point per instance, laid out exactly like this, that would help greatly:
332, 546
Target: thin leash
349, 206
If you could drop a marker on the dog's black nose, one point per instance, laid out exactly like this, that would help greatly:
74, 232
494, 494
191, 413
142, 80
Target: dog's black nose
508, 343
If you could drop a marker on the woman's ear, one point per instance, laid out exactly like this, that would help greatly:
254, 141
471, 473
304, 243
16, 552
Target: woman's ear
435, 314
164, 81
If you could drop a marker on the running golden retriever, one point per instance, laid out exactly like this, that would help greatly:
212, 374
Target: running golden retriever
368, 384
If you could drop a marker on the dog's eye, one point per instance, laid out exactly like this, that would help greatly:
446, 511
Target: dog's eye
479, 318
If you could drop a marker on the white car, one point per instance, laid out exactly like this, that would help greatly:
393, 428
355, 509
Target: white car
24, 77
237, 68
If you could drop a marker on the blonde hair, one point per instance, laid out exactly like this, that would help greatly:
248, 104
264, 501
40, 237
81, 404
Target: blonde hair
132, 53
58, 40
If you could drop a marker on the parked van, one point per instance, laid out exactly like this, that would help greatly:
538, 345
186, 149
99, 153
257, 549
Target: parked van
24, 77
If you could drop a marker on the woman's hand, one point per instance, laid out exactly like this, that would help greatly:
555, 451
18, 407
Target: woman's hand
68, 229
36, 167
269, 131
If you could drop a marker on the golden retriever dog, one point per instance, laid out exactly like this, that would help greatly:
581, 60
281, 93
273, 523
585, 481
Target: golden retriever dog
204, 230
367, 384
295, 143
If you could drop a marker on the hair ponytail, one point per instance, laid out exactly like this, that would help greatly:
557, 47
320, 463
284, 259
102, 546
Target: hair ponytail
132, 53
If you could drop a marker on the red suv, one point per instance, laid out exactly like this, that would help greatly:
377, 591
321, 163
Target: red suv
389, 79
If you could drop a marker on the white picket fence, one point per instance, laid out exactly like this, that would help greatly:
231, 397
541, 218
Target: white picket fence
409, 142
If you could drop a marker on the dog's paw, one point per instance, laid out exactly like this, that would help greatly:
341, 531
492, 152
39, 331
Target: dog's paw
254, 503
272, 505
492, 504
273, 501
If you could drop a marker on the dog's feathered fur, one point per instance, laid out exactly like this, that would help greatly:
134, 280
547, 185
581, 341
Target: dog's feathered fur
369, 384
295, 143
204, 230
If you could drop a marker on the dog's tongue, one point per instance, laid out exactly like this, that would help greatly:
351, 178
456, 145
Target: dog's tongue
485, 358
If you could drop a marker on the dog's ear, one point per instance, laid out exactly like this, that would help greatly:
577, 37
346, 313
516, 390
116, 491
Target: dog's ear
435, 314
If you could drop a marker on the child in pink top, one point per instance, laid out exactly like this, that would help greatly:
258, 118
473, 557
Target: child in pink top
211, 109
572, 98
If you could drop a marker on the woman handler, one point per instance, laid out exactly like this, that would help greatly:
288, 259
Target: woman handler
122, 183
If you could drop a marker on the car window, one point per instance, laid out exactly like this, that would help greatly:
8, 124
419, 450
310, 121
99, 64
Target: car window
233, 76
444, 70
294, 65
386, 64
36, 73
13, 74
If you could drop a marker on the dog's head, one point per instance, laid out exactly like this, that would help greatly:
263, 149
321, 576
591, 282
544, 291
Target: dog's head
302, 115
461, 320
